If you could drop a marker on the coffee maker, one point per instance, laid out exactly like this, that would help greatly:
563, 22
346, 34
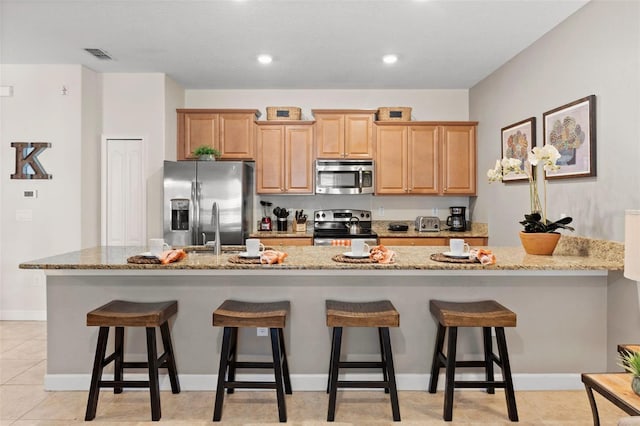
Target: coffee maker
457, 222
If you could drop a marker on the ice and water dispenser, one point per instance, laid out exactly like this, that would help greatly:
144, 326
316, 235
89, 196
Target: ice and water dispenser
180, 214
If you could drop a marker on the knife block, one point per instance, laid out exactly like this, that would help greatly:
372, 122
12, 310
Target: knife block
300, 227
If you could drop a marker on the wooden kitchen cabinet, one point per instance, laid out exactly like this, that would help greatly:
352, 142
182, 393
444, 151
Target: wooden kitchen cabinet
284, 160
427, 241
285, 241
407, 159
430, 241
344, 134
230, 131
458, 159
425, 158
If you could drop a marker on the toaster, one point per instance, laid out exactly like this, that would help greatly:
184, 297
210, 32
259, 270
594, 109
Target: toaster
427, 224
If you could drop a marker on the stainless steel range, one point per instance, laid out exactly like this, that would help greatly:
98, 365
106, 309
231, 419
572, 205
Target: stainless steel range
339, 227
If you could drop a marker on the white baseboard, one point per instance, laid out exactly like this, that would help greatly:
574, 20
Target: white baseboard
23, 315
318, 382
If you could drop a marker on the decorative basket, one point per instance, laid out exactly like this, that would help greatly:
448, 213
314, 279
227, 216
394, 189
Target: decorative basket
394, 114
283, 113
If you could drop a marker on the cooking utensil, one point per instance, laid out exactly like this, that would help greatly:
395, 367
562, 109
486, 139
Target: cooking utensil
402, 227
354, 225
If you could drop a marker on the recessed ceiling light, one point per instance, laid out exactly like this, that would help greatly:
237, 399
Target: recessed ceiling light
265, 59
390, 59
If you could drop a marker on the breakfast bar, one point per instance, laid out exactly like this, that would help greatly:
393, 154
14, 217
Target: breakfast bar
560, 301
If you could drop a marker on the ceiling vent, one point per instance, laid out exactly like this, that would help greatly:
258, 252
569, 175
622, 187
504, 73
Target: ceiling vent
99, 53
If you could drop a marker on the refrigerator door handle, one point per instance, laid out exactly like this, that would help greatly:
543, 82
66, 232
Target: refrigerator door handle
195, 202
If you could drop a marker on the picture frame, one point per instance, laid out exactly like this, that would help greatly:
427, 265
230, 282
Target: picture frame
571, 128
518, 140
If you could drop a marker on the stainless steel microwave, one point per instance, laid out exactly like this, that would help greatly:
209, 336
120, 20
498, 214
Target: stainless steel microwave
344, 177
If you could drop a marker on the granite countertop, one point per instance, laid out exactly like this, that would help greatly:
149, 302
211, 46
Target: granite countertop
571, 254
381, 227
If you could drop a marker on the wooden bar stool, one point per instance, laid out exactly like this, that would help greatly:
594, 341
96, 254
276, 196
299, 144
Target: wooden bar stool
233, 314
381, 314
485, 314
120, 314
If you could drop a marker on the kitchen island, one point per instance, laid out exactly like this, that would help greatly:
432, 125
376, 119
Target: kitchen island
558, 299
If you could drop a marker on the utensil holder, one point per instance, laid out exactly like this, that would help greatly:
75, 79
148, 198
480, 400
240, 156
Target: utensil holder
281, 224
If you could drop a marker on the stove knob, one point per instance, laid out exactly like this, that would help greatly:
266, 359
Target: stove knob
367, 214
323, 215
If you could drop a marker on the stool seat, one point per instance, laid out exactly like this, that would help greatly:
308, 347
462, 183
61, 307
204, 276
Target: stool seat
485, 313
234, 313
121, 313
380, 313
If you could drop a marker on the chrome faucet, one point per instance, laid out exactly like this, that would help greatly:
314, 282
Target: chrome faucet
215, 221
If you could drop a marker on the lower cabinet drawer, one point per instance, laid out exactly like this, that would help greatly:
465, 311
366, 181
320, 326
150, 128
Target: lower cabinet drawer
278, 242
393, 241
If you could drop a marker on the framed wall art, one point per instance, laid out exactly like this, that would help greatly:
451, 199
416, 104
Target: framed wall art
517, 140
571, 128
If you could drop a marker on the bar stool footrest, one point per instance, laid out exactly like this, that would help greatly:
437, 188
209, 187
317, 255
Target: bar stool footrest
362, 384
250, 385
479, 384
360, 364
124, 384
251, 364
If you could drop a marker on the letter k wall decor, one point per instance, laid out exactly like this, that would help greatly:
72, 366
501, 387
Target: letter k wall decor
27, 164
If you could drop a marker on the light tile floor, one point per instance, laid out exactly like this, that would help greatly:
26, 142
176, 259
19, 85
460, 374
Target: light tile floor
24, 402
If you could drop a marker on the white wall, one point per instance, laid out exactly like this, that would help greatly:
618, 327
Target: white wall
595, 51
426, 104
174, 99
90, 154
39, 112
134, 106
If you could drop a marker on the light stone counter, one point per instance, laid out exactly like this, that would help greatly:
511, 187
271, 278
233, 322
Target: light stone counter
609, 257
558, 299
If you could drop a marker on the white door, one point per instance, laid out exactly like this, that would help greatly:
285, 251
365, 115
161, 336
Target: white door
123, 193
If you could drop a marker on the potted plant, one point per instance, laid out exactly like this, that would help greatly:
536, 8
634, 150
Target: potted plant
206, 153
539, 235
630, 361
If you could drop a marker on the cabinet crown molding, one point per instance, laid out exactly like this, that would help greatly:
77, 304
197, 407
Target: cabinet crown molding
219, 111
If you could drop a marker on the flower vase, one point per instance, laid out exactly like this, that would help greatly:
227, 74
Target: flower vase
541, 243
635, 385
207, 157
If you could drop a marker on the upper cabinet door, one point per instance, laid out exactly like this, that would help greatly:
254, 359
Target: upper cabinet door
230, 131
330, 135
197, 130
344, 133
299, 159
422, 159
270, 159
358, 140
391, 163
236, 136
458, 159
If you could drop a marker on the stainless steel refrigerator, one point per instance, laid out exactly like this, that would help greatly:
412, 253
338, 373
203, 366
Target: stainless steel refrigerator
190, 190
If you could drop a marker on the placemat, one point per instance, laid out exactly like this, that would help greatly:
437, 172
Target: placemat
344, 259
245, 261
440, 257
140, 259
